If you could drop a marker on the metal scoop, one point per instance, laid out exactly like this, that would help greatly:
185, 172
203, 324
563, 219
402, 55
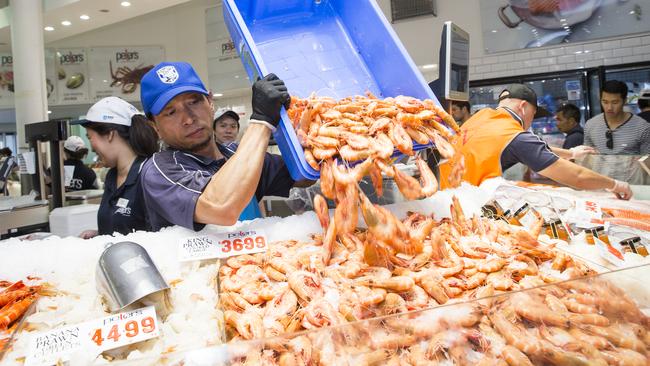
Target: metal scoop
126, 275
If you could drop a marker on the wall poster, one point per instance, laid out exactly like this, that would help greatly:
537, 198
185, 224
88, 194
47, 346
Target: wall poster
116, 71
517, 24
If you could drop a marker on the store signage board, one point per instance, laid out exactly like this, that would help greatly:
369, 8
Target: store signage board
222, 245
72, 75
116, 71
93, 337
50, 76
6, 80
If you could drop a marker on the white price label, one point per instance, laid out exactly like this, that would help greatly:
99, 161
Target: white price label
587, 210
54, 346
609, 253
99, 335
222, 245
124, 328
197, 248
529, 219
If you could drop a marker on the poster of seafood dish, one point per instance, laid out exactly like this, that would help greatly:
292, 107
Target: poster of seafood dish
6, 80
517, 24
71, 75
117, 70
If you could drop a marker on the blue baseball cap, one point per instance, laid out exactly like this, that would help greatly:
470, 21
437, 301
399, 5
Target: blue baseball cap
165, 81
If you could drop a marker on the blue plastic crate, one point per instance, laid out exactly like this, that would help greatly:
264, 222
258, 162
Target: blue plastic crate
336, 48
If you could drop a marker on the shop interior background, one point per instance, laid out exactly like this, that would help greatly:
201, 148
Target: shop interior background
193, 31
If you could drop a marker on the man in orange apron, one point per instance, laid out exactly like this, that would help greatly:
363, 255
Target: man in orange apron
493, 140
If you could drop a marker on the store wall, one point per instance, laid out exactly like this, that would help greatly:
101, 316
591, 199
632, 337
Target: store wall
421, 37
179, 29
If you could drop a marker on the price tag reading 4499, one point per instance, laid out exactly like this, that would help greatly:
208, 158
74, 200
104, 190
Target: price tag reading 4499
125, 328
241, 242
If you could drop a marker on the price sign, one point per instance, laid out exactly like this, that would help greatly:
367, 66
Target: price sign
222, 245
54, 346
587, 210
242, 242
609, 253
96, 336
124, 328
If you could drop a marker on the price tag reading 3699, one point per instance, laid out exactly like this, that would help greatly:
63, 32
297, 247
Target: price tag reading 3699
242, 242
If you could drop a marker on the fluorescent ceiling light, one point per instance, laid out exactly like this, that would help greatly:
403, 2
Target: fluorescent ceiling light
217, 95
429, 66
48, 28
125, 3
84, 17
66, 23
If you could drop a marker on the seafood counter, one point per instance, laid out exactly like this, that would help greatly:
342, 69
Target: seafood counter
367, 303
587, 321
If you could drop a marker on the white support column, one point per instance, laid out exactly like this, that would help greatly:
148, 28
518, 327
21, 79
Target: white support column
28, 51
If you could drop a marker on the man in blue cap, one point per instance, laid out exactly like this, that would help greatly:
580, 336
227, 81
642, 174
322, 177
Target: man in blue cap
197, 181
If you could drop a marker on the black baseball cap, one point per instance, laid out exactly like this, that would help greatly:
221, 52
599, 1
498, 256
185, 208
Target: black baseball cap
231, 114
523, 92
519, 91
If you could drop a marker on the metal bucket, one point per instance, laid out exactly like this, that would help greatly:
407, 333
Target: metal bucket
125, 275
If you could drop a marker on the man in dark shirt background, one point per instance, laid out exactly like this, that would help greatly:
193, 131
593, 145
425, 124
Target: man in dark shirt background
568, 122
644, 104
461, 111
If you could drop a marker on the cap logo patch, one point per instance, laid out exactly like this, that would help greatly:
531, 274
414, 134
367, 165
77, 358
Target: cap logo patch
167, 74
107, 117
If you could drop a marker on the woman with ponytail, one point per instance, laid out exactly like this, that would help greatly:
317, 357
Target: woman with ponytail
124, 140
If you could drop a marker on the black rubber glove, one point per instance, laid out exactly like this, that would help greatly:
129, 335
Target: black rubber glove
269, 95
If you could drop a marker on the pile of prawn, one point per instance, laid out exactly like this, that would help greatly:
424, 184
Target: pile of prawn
584, 322
15, 300
367, 128
306, 285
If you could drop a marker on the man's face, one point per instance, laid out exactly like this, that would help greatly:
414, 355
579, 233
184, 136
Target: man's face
612, 104
186, 122
564, 124
226, 130
458, 113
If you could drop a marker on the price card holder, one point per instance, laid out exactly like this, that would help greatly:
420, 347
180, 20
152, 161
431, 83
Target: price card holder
588, 210
609, 253
93, 337
122, 329
222, 245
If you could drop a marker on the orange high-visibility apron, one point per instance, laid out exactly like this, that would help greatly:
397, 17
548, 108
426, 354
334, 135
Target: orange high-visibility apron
483, 138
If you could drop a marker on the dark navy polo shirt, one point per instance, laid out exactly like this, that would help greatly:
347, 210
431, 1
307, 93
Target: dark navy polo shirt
528, 149
575, 137
122, 208
83, 177
173, 180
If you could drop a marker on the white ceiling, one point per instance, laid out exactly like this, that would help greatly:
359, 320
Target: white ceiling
56, 11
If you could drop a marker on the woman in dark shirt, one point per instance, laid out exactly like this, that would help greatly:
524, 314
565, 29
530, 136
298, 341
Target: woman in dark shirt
124, 140
82, 177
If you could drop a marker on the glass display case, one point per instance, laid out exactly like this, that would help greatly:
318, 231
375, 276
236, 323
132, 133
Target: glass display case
553, 91
599, 319
636, 77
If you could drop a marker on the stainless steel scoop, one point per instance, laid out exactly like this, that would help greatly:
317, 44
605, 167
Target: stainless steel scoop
125, 274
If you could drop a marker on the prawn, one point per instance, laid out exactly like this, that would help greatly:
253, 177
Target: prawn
408, 186
320, 207
327, 180
429, 183
401, 139
11, 312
